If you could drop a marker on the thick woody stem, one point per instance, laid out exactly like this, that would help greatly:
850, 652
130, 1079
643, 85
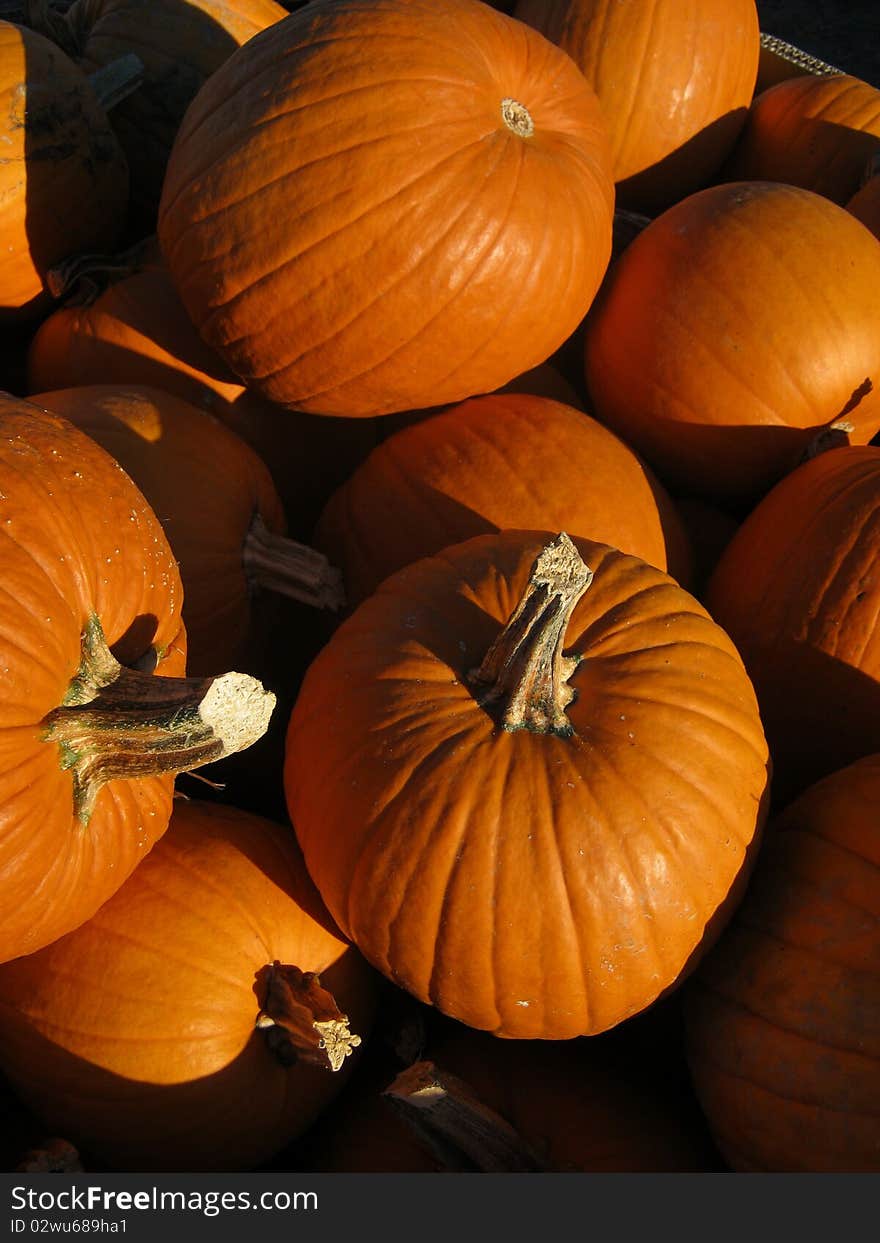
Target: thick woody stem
117, 722
280, 564
85, 277
463, 1133
524, 674
302, 1021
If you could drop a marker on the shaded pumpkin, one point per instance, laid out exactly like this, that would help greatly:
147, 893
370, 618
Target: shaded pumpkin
817, 132
142, 1034
674, 78
58, 149
798, 590
330, 289
493, 463
134, 330
732, 331
865, 203
96, 715
535, 858
783, 1034
180, 43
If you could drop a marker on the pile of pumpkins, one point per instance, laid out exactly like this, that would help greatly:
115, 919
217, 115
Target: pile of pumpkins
440, 624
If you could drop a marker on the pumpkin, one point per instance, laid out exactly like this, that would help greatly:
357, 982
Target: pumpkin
733, 330
220, 512
492, 463
537, 844
134, 330
865, 203
180, 43
96, 715
58, 149
812, 131
674, 78
783, 1037
213, 980
798, 590
331, 289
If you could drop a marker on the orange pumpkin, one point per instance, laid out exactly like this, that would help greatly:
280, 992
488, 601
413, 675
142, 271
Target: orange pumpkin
674, 78
180, 43
733, 330
537, 844
817, 132
865, 203
489, 464
181, 1028
783, 1039
134, 330
58, 150
354, 195
798, 590
93, 728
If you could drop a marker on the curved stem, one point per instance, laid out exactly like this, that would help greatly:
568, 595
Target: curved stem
302, 1021
94, 272
277, 563
117, 722
524, 673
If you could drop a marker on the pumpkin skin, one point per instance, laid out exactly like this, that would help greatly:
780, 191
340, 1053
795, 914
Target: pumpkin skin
180, 43
77, 540
489, 464
144, 1018
810, 131
58, 149
535, 916
136, 332
782, 1016
865, 203
798, 590
693, 354
331, 290
674, 78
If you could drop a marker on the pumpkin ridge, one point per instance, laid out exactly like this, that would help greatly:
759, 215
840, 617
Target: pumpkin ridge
411, 274
867, 532
295, 258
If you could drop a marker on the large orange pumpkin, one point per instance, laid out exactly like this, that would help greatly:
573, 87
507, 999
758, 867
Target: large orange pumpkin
813, 131
383, 205
58, 150
180, 43
733, 330
181, 1028
798, 590
783, 1037
674, 78
538, 844
95, 717
491, 463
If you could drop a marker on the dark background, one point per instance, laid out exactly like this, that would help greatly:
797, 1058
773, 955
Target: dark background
846, 33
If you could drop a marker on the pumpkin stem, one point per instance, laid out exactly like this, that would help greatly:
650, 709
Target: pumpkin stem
302, 1021
460, 1130
44, 18
517, 118
120, 722
117, 80
82, 278
277, 563
524, 671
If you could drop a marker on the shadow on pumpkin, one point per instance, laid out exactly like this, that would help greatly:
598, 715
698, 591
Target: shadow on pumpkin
232, 1119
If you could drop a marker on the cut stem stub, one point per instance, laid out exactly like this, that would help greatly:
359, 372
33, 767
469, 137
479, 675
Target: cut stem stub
524, 675
302, 1021
117, 722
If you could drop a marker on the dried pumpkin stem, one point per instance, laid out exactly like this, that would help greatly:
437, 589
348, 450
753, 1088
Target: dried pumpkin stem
453, 1122
302, 1021
524, 673
120, 722
87, 276
277, 563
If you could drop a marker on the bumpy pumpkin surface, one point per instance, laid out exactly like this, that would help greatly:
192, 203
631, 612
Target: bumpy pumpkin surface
58, 150
813, 131
732, 330
383, 205
492, 463
783, 1033
164, 1033
798, 590
531, 869
674, 78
